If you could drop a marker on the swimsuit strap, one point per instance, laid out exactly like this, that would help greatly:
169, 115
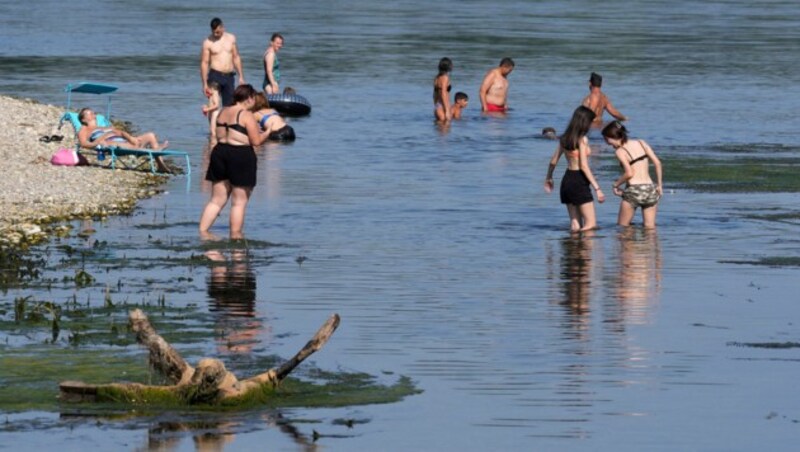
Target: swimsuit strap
637, 159
236, 126
264, 119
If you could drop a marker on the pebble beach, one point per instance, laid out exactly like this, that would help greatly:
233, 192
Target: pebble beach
38, 197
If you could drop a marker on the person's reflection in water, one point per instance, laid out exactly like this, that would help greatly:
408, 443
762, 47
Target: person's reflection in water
638, 279
207, 435
232, 293
576, 277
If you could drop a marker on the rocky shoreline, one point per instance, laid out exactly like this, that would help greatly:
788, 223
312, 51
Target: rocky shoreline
37, 197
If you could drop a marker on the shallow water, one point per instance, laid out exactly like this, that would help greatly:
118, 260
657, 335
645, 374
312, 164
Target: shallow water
439, 249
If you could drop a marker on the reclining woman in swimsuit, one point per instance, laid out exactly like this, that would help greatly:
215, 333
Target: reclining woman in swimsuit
640, 191
91, 135
271, 121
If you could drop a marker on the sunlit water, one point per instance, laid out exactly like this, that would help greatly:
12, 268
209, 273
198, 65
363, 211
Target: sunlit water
445, 258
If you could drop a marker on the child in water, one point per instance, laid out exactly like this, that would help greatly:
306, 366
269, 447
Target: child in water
461, 101
211, 108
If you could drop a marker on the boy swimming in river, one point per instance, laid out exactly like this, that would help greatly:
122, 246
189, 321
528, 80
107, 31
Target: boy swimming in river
461, 101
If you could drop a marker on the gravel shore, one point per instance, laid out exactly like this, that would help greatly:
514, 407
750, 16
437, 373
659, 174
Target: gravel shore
36, 195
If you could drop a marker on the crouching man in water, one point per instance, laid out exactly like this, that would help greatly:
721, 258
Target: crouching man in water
494, 89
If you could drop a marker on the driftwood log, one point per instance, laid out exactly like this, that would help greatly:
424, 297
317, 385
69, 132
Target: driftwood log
208, 383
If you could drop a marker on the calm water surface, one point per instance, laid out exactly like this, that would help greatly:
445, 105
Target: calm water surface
439, 249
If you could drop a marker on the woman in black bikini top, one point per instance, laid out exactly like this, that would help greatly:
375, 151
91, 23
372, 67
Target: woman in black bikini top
232, 165
441, 91
639, 191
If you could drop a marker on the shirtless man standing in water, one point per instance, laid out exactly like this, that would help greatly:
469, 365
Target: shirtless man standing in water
220, 62
494, 89
599, 102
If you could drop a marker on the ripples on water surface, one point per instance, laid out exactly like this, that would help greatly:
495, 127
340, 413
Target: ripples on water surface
439, 249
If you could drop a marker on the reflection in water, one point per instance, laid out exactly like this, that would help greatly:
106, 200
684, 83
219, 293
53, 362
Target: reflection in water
576, 278
232, 293
212, 434
208, 435
637, 280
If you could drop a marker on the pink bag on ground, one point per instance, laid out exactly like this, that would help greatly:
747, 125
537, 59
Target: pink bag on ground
65, 157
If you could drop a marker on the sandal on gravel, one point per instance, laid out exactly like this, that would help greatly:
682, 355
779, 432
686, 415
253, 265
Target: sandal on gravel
44, 139
56, 138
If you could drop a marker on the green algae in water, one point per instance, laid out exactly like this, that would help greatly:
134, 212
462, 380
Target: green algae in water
774, 261
768, 345
733, 175
779, 217
103, 354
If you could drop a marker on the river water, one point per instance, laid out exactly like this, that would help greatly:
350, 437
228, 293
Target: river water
438, 247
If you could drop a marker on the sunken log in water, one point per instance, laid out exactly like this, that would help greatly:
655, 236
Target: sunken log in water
208, 383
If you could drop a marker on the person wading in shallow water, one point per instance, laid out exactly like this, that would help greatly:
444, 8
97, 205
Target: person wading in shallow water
575, 191
232, 167
220, 61
598, 102
441, 91
494, 89
639, 191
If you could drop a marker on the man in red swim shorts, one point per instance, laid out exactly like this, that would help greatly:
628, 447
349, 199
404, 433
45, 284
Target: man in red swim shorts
492, 108
494, 89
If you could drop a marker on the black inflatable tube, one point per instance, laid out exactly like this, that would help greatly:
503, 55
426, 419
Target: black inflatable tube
289, 104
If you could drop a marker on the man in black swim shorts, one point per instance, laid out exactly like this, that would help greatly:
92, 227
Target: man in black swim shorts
220, 62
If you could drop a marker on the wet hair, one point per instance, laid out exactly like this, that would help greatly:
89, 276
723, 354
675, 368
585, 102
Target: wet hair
507, 62
445, 65
577, 128
461, 95
243, 92
215, 23
214, 85
289, 90
82, 114
596, 80
616, 131
261, 102
275, 36
549, 132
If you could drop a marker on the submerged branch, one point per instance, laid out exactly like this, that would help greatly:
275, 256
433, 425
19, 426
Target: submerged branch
209, 383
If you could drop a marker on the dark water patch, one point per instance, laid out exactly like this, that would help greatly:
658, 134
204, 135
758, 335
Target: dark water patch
148, 66
18, 267
770, 345
765, 150
774, 261
163, 226
28, 321
733, 175
790, 217
703, 325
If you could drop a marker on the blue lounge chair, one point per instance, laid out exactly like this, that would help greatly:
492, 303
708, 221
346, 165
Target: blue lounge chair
71, 117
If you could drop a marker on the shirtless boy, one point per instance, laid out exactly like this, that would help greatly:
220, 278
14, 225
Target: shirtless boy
220, 62
494, 89
598, 102
461, 101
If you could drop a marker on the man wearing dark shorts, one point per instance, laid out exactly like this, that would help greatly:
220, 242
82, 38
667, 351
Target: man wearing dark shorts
220, 62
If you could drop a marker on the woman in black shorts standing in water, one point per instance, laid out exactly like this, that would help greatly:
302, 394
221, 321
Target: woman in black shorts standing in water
575, 191
232, 169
